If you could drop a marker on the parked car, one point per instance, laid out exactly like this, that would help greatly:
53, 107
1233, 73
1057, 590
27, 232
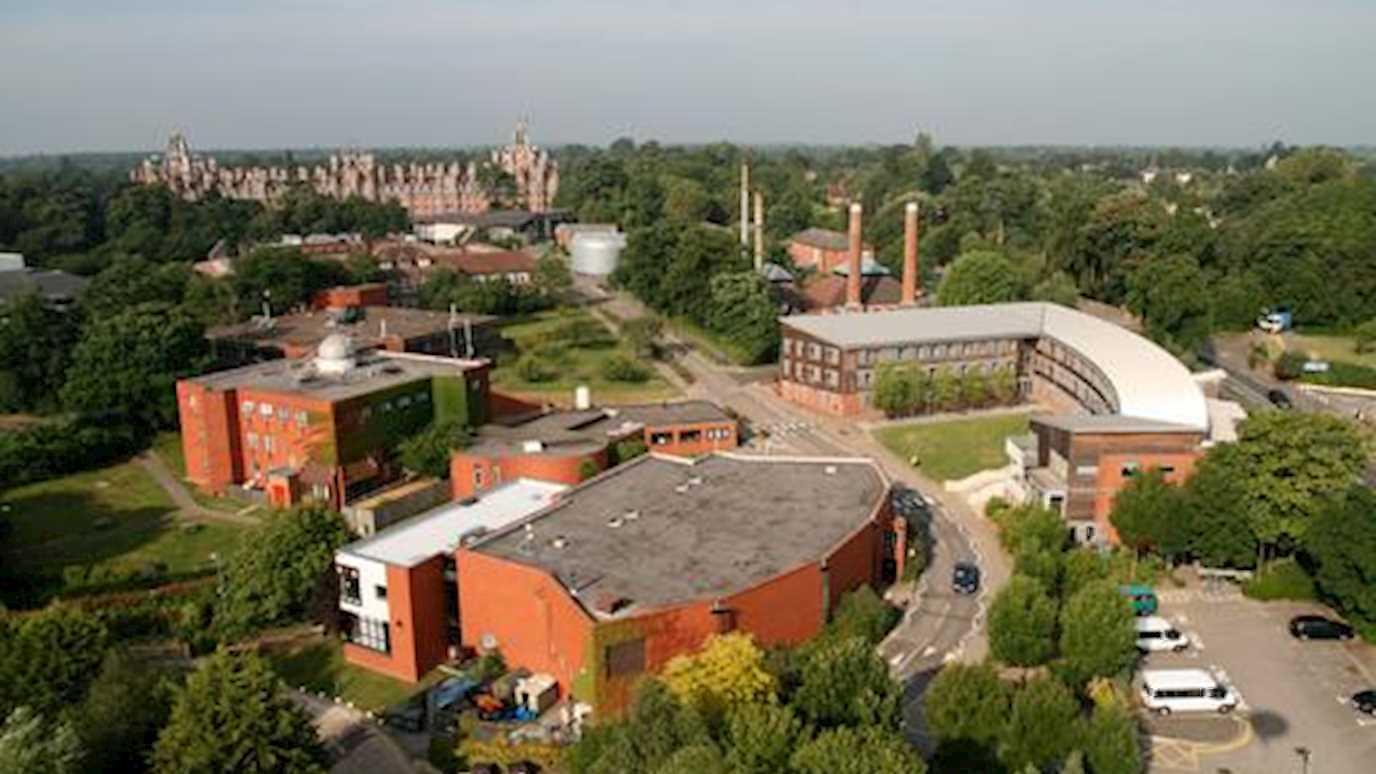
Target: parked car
965, 578
1156, 634
1279, 399
1365, 701
1316, 627
1142, 596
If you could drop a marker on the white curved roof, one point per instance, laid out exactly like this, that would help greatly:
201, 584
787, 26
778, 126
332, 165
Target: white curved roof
1150, 382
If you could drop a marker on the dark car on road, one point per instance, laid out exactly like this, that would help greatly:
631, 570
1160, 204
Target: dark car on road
1316, 627
1365, 701
1279, 399
965, 578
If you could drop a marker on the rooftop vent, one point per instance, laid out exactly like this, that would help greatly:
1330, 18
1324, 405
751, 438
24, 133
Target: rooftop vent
532, 447
530, 533
681, 489
631, 515
560, 542
615, 522
695, 480
831, 470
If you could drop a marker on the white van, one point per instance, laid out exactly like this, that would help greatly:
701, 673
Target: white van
1155, 633
1185, 690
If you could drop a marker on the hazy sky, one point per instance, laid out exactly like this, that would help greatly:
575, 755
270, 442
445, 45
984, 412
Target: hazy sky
120, 74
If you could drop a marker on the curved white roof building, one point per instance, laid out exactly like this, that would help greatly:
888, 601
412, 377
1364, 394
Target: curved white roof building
1135, 377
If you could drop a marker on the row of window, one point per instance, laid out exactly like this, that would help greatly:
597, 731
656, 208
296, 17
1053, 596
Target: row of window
267, 410
666, 437
804, 372
371, 633
938, 351
399, 403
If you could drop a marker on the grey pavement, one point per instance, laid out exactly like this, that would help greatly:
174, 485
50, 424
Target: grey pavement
359, 745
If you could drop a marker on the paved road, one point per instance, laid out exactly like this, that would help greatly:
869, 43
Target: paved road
939, 626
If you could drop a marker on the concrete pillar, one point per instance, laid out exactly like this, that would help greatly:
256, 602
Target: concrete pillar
911, 280
745, 204
853, 273
759, 231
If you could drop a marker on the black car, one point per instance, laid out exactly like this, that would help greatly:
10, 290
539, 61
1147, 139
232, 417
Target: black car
1364, 701
965, 578
1316, 627
1279, 399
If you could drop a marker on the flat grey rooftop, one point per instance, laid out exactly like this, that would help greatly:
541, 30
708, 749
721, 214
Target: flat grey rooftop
374, 371
577, 432
1110, 423
661, 531
308, 329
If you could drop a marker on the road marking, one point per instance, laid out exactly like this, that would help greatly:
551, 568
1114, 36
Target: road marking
929, 650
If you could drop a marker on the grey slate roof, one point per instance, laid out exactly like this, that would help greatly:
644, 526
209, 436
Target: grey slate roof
52, 284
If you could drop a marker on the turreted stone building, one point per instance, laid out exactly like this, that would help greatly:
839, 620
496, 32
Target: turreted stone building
425, 190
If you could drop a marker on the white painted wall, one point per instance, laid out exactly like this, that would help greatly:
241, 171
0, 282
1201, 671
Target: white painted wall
371, 574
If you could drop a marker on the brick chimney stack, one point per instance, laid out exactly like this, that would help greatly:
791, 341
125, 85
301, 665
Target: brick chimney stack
911, 280
853, 275
759, 231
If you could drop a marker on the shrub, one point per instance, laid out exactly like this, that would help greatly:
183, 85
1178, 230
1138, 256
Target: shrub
1290, 366
53, 449
533, 369
1281, 579
863, 614
621, 368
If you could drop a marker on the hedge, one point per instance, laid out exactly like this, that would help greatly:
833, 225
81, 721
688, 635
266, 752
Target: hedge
64, 446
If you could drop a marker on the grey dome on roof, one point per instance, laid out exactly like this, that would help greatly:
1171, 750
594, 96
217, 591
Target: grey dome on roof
335, 355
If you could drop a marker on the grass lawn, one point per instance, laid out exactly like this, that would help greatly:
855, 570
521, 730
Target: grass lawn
1329, 348
575, 364
115, 516
319, 665
168, 446
957, 448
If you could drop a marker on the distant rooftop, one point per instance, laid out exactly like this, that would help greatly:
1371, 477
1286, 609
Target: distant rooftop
307, 330
1150, 382
440, 530
51, 284
370, 371
1110, 423
577, 432
823, 238
660, 531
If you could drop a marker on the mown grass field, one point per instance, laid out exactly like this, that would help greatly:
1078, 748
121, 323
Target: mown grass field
319, 665
956, 448
572, 364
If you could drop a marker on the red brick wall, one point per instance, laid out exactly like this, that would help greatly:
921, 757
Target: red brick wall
502, 405
541, 467
681, 447
210, 438
817, 399
372, 294
1111, 480
807, 255
535, 623
292, 443
859, 559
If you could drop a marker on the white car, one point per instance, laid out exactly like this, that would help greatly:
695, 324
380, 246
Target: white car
1155, 633
1185, 690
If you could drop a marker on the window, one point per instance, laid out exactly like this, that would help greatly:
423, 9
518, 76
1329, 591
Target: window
478, 476
246, 407
348, 585
690, 436
282, 413
403, 401
303, 419
660, 439
422, 397
380, 592
253, 440
1130, 469
371, 633
385, 407
625, 658
833, 378
267, 443
833, 355
265, 409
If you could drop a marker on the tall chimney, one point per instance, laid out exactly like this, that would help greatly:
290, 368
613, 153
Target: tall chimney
745, 204
853, 275
759, 231
910, 279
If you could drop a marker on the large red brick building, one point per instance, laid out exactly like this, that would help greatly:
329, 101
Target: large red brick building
319, 428
563, 446
602, 582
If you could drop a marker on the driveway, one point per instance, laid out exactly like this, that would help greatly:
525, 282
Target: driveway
1292, 692
359, 745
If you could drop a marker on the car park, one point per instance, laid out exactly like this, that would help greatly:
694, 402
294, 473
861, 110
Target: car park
1165, 691
965, 578
1365, 701
1157, 634
1316, 627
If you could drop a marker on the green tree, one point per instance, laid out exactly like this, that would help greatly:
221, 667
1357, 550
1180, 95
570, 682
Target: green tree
1110, 741
846, 683
896, 389
1097, 635
1221, 533
1342, 543
945, 390
862, 613
31, 745
1082, 567
1150, 514
552, 279
700, 758
1041, 725
1173, 299
974, 388
125, 707
980, 277
759, 738
966, 709
47, 659
622, 368
867, 750
1022, 623
429, 451
656, 726
744, 311
1058, 288
727, 672
1364, 337
128, 364
1120, 232
277, 567
643, 334
234, 714
35, 347
283, 278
